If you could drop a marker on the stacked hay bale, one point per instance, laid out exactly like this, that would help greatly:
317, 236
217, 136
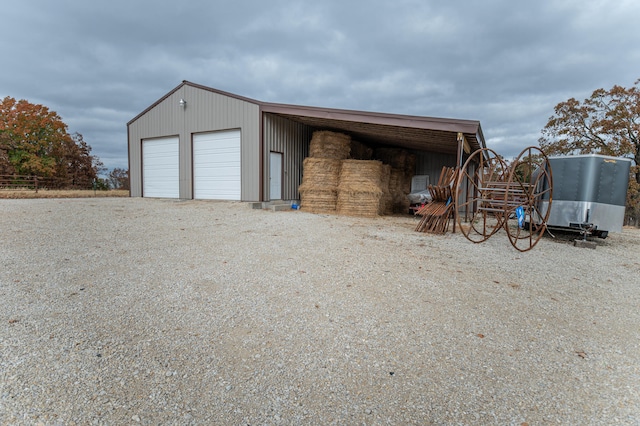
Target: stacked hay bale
386, 202
340, 176
319, 188
326, 144
321, 171
403, 166
360, 151
360, 188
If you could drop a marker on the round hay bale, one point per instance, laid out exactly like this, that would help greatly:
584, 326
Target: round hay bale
326, 144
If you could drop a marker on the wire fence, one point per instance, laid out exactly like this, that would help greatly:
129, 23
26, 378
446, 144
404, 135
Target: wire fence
35, 183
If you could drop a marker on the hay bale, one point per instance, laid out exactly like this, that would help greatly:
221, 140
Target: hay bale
326, 144
386, 202
366, 204
395, 157
361, 176
360, 188
360, 151
410, 165
399, 186
319, 188
318, 200
320, 173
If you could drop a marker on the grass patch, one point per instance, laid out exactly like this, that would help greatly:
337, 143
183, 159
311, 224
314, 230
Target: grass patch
62, 193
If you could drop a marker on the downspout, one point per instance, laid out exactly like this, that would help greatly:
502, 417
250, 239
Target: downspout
261, 165
454, 194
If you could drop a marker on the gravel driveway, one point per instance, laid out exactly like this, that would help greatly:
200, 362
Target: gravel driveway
140, 311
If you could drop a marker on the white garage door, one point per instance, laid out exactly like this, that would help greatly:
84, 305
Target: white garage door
216, 165
160, 168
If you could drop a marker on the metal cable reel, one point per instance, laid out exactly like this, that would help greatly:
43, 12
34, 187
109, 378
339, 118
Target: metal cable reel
528, 198
490, 196
480, 194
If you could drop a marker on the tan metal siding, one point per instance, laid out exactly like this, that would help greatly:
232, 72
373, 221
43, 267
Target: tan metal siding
205, 111
292, 140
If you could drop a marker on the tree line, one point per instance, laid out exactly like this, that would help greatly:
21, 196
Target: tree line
34, 141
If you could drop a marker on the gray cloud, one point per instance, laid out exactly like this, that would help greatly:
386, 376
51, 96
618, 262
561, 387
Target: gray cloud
504, 63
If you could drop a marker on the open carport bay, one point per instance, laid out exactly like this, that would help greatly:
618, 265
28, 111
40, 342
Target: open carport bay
164, 311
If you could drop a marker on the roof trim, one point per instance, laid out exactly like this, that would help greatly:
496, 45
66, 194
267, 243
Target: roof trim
469, 127
398, 120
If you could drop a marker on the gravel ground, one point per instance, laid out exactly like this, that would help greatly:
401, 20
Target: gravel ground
139, 311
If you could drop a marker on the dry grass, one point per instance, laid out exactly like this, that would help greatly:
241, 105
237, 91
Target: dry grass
63, 193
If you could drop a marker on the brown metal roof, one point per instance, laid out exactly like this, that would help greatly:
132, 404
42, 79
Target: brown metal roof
410, 132
406, 131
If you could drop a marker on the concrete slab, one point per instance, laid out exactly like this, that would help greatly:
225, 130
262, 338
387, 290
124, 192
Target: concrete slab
281, 207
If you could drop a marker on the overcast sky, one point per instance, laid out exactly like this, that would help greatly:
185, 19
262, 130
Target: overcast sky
505, 63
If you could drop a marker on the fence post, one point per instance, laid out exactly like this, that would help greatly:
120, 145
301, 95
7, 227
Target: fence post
35, 181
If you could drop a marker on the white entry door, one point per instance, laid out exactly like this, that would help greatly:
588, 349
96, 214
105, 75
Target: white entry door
275, 176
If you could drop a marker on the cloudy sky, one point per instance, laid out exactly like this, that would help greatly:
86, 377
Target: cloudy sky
505, 63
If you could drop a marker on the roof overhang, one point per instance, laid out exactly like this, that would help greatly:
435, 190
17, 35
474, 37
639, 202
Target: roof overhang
380, 129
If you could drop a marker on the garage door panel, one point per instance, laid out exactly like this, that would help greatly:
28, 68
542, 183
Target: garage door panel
216, 165
160, 168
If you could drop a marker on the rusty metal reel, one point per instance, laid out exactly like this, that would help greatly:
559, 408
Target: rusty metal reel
527, 199
480, 190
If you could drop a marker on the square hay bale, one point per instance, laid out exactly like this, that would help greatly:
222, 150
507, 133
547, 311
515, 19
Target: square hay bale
360, 188
366, 204
318, 200
397, 158
386, 202
319, 188
360, 151
361, 175
327, 144
399, 186
320, 173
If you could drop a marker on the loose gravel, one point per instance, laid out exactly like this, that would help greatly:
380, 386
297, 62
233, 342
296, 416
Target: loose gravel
140, 311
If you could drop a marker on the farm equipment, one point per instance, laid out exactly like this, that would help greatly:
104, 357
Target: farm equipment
436, 214
492, 196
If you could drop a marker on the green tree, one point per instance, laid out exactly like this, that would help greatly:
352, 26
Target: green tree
608, 123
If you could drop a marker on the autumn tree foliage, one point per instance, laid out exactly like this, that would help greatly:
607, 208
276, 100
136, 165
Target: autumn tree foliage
118, 178
607, 123
35, 141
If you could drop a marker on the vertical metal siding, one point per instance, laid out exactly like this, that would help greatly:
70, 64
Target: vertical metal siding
292, 140
431, 163
205, 111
